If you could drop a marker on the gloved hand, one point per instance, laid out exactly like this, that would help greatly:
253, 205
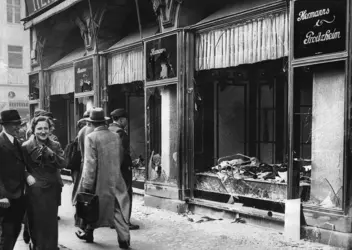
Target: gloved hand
36, 153
47, 152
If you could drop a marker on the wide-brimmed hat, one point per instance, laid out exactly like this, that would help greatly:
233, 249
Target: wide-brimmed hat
119, 113
10, 116
41, 112
97, 115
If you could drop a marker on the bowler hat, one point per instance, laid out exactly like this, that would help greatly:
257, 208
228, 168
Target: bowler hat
97, 115
119, 113
41, 112
10, 116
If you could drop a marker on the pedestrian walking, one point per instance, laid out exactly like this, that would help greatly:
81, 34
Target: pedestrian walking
119, 126
49, 115
45, 159
103, 156
12, 180
77, 186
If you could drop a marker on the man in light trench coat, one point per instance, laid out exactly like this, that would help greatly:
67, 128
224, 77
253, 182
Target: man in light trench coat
103, 157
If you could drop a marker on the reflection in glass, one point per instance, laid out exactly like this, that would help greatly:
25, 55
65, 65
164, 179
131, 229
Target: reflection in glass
83, 104
162, 134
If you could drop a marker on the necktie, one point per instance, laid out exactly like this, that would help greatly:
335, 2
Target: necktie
17, 144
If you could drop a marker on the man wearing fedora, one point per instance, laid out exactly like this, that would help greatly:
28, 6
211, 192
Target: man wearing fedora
12, 179
103, 155
119, 126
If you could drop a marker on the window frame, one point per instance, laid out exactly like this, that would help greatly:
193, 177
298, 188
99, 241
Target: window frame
14, 53
13, 8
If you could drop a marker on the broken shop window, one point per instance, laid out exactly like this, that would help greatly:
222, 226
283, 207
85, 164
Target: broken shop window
162, 131
240, 131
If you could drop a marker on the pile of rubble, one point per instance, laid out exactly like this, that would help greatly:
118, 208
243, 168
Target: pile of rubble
240, 166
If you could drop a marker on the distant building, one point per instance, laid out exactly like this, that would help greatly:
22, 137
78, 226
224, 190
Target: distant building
14, 57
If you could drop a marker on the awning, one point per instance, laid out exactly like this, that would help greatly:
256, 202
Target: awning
49, 13
125, 64
126, 67
62, 81
252, 41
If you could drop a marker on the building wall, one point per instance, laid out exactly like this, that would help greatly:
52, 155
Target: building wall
15, 80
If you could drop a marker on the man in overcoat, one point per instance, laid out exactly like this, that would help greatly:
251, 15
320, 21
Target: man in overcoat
119, 126
12, 180
102, 176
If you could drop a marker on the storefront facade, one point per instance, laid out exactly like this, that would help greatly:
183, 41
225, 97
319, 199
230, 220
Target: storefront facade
230, 109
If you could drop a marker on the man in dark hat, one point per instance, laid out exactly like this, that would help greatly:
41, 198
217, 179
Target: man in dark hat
119, 126
12, 179
103, 153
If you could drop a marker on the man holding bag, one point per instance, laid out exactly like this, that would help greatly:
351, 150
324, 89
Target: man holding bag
103, 156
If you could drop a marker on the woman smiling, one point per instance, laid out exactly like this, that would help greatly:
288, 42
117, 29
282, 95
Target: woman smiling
45, 157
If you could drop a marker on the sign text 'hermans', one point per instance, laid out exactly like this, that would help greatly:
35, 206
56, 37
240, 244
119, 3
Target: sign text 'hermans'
319, 27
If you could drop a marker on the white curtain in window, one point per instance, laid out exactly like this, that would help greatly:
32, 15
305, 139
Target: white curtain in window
125, 67
62, 81
243, 43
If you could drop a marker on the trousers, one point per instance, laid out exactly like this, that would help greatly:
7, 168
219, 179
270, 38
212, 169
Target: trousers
10, 223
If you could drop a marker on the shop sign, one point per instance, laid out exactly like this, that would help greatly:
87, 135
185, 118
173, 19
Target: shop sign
161, 56
34, 6
84, 76
319, 27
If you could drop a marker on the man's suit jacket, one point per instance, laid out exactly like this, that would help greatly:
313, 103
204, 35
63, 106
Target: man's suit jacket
12, 169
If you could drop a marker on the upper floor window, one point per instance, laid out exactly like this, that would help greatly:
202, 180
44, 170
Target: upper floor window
15, 57
13, 11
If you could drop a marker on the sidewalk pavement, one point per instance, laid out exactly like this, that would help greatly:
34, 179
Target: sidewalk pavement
164, 230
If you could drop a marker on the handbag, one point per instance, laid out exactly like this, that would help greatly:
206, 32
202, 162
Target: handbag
87, 207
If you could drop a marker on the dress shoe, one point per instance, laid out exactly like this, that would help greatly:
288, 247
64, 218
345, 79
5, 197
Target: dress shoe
133, 227
124, 244
26, 237
87, 236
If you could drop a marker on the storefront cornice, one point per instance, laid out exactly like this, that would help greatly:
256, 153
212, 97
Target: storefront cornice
258, 12
160, 35
326, 58
84, 94
163, 82
51, 12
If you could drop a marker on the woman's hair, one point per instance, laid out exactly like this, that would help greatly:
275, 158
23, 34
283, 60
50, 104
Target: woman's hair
38, 119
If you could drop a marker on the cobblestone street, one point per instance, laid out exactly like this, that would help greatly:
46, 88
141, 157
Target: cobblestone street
164, 230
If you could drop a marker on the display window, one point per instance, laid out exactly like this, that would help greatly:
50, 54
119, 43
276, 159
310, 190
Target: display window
130, 96
319, 125
162, 134
240, 129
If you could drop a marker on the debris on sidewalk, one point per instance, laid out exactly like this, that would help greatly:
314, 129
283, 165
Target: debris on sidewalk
239, 220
